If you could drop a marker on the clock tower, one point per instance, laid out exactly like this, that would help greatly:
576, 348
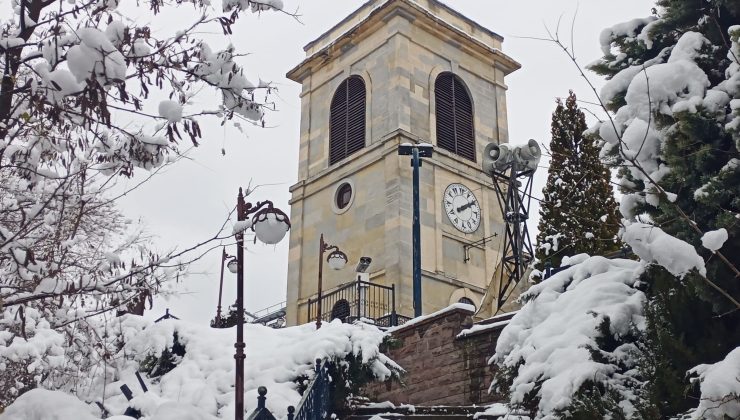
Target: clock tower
394, 72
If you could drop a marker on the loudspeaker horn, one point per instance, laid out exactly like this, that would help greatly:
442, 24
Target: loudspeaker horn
496, 157
530, 154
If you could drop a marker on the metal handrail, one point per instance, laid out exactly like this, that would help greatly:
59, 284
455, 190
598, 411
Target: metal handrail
316, 401
335, 291
357, 300
268, 310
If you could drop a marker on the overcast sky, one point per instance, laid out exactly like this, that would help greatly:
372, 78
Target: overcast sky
190, 201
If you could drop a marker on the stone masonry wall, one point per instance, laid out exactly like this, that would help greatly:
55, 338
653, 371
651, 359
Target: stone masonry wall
441, 369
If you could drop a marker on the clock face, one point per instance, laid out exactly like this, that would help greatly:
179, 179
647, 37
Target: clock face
462, 208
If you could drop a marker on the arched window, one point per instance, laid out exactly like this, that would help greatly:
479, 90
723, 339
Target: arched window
347, 119
467, 301
454, 116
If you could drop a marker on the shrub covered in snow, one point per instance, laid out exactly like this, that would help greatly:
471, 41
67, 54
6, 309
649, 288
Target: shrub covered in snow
575, 336
276, 359
201, 376
42, 404
719, 384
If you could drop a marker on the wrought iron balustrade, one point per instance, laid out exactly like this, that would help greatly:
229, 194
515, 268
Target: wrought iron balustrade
317, 400
358, 300
272, 316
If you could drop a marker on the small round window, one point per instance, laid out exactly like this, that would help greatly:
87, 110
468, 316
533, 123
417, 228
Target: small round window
344, 195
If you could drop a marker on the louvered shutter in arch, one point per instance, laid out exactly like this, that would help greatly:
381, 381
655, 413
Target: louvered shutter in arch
347, 119
454, 113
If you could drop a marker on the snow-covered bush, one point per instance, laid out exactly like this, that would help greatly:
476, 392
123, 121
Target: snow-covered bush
80, 258
41, 404
203, 376
719, 389
574, 336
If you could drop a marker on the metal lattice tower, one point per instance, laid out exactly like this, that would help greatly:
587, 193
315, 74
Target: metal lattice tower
512, 170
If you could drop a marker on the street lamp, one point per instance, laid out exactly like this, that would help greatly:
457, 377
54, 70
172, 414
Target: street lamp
417, 151
270, 226
336, 260
233, 265
219, 321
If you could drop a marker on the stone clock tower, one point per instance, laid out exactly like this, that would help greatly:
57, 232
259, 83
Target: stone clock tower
393, 72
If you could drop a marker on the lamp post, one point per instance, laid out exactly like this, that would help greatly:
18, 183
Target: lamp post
219, 321
417, 151
269, 225
336, 260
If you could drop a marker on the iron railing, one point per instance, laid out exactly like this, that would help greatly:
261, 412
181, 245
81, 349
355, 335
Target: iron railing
272, 316
358, 300
316, 401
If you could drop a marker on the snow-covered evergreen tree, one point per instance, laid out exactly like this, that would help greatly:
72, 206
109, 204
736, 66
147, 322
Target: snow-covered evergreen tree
675, 92
578, 213
659, 337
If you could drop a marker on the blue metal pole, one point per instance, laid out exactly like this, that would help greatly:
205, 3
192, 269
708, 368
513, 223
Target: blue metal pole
416, 233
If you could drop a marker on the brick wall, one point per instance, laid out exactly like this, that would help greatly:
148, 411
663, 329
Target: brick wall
441, 369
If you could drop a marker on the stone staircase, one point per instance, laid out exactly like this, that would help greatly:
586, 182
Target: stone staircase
419, 412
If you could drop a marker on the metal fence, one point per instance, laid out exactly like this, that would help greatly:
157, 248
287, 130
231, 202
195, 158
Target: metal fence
358, 300
316, 401
272, 316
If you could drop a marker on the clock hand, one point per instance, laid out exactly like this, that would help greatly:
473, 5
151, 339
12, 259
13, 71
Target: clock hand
465, 206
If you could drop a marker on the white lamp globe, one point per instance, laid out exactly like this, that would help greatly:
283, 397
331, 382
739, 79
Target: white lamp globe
232, 265
337, 260
270, 229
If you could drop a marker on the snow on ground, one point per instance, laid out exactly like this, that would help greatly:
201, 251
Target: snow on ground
41, 404
498, 409
202, 382
548, 341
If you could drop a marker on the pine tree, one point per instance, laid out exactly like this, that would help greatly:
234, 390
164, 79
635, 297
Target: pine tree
578, 213
696, 135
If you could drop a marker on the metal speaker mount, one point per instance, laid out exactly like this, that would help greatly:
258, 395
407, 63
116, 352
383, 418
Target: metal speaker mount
512, 169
